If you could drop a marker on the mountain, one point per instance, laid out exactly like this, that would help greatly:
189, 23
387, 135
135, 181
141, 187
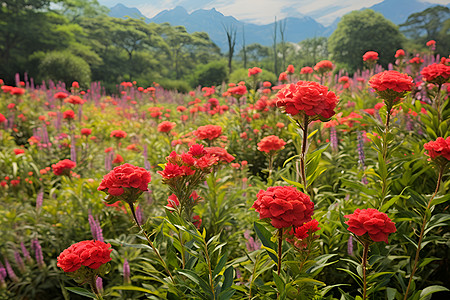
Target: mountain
213, 22
122, 11
399, 10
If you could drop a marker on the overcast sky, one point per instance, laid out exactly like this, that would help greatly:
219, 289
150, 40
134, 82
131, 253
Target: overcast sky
259, 11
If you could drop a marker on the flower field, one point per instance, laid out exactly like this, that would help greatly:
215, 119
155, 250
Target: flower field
319, 186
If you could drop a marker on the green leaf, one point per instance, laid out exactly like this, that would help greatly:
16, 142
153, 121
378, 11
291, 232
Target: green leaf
432, 289
278, 282
228, 278
264, 235
134, 288
82, 292
309, 280
390, 293
312, 133
220, 264
297, 184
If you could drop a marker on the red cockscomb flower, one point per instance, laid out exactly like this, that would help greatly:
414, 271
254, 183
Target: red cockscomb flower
307, 97
86, 131
119, 134
436, 73
370, 221
323, 66
370, 56
270, 144
125, 177
69, 114
166, 126
391, 85
208, 132
285, 206
439, 150
63, 167
91, 254
254, 71
220, 153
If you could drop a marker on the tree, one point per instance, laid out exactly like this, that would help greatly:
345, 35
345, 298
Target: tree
430, 24
362, 31
283, 44
275, 52
231, 38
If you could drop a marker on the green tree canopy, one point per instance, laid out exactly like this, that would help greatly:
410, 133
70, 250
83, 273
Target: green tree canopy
362, 31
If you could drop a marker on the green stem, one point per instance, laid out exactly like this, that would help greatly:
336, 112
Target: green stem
364, 267
211, 282
270, 166
303, 153
280, 254
422, 230
150, 242
437, 100
384, 153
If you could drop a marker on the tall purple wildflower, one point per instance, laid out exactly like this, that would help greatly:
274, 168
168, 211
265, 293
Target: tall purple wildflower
19, 261
146, 162
251, 244
39, 200
2, 270
99, 284
350, 245
10, 272
36, 246
361, 155
126, 272
108, 160
25, 253
139, 215
333, 139
73, 149
96, 229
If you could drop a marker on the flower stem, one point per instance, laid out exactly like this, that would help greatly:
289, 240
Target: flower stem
280, 253
150, 242
303, 153
422, 230
364, 267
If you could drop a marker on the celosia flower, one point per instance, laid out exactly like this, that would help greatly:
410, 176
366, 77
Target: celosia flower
74, 100
270, 144
91, 254
63, 167
208, 132
306, 70
436, 73
18, 151
323, 66
119, 134
285, 206
2, 118
391, 85
238, 91
282, 77
69, 114
61, 95
290, 69
375, 224
400, 53
307, 97
126, 178
222, 154
370, 56
166, 126
254, 71
86, 131
439, 150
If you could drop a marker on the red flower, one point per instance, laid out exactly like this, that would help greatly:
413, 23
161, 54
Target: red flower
254, 71
436, 73
69, 114
19, 151
63, 167
282, 77
60, 95
284, 205
376, 224
438, 148
308, 97
391, 85
305, 230
220, 153
208, 132
197, 150
431, 43
370, 56
306, 70
2, 118
125, 176
416, 60
172, 170
238, 91
166, 126
118, 159
91, 254
75, 85
17, 91
271, 143
323, 66
118, 134
86, 131
290, 69
74, 100
400, 53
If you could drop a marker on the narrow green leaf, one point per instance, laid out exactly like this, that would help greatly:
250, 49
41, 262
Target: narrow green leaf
82, 292
432, 289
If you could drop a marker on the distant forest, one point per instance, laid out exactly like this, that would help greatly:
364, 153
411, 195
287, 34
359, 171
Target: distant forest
75, 40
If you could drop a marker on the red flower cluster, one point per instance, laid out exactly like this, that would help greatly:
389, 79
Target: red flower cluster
309, 97
166, 126
400, 53
284, 205
208, 132
438, 148
69, 114
220, 153
416, 60
370, 56
323, 66
123, 177
63, 167
74, 100
91, 254
282, 77
436, 73
18, 151
270, 144
60, 95
306, 70
86, 131
2, 118
118, 134
391, 85
254, 71
290, 69
306, 229
431, 43
237, 91
376, 224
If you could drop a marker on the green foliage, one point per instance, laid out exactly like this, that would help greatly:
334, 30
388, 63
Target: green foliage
242, 75
362, 31
213, 73
65, 67
176, 85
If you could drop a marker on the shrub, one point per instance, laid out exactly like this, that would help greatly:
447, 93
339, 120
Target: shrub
210, 74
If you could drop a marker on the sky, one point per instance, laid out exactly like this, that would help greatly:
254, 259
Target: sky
259, 11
